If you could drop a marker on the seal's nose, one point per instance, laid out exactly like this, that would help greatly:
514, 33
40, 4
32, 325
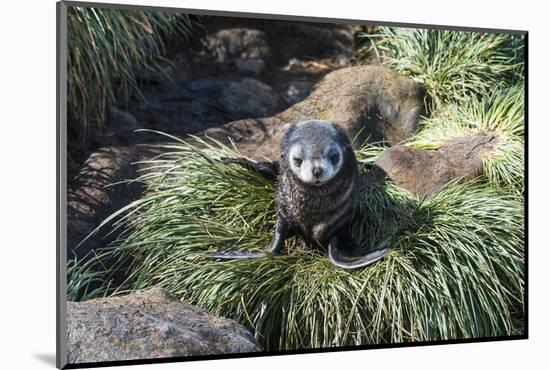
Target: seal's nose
317, 171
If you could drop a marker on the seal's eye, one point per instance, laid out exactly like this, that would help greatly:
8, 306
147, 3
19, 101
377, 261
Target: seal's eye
297, 161
334, 158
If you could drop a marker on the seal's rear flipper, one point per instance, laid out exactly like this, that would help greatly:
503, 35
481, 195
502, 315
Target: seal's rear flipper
355, 258
236, 255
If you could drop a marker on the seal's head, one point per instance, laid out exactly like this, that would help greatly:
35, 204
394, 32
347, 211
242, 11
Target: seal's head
315, 151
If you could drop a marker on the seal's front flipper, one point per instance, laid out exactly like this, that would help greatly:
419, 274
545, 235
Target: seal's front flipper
236, 255
355, 257
269, 170
281, 233
275, 247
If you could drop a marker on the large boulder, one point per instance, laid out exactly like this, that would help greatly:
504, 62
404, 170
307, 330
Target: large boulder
423, 172
146, 325
368, 101
205, 83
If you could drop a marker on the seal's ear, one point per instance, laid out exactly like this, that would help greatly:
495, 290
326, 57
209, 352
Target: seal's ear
336, 127
286, 139
341, 134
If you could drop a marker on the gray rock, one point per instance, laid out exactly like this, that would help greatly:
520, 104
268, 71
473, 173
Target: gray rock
122, 121
247, 98
423, 172
146, 325
295, 91
238, 43
166, 73
250, 98
315, 39
250, 67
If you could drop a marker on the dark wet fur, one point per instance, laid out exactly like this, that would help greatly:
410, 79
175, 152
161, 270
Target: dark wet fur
321, 215
317, 212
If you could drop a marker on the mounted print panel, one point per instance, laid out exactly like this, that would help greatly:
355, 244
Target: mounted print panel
237, 185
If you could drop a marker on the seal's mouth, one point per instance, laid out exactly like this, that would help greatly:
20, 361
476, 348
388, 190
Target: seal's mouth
317, 183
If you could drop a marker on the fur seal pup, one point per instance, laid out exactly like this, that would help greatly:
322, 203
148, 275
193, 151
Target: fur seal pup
318, 183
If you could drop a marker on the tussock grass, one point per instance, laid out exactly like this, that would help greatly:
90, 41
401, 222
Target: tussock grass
455, 269
106, 47
84, 279
453, 66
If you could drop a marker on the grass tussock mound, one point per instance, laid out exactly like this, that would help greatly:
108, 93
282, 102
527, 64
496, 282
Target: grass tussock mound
455, 269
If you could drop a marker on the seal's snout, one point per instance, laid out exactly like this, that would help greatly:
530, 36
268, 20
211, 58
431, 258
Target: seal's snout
317, 171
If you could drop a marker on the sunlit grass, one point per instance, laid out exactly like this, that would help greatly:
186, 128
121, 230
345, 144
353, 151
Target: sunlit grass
499, 115
453, 66
106, 48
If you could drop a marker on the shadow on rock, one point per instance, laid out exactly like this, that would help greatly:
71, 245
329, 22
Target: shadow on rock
92, 196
